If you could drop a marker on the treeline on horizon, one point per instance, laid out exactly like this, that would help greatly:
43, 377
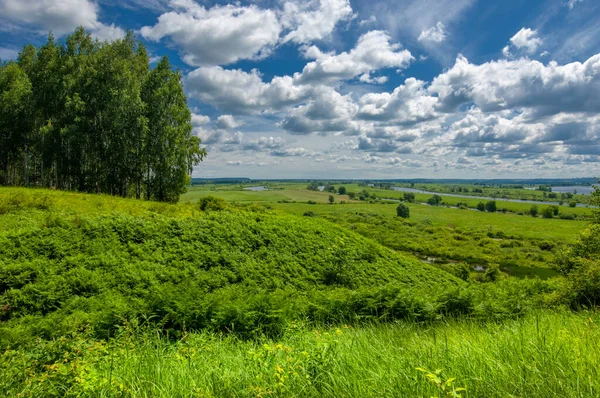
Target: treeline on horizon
92, 116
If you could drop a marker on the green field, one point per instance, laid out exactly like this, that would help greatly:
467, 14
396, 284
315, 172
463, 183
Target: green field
551, 354
239, 195
264, 294
521, 245
298, 192
506, 192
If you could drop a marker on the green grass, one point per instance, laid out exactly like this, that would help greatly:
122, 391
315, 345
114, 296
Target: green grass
514, 207
101, 296
498, 192
524, 246
239, 195
547, 354
243, 271
509, 223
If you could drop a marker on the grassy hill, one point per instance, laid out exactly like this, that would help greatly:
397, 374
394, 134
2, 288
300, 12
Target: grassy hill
72, 262
101, 296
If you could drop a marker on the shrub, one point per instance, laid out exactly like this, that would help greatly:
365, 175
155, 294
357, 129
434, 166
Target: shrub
546, 245
548, 212
409, 197
435, 200
403, 211
461, 270
309, 214
311, 202
212, 203
585, 283
492, 273
567, 216
481, 206
342, 190
490, 206
533, 211
572, 203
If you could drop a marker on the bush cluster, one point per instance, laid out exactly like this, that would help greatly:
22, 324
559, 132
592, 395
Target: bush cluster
236, 271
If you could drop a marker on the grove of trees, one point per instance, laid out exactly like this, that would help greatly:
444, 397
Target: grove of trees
93, 116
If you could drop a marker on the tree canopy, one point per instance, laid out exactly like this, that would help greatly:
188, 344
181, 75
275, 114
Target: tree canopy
581, 261
403, 211
93, 116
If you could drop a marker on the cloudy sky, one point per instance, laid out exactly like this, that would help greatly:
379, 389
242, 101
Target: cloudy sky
365, 88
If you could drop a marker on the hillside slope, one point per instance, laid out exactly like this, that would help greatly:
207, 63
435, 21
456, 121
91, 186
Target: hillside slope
66, 265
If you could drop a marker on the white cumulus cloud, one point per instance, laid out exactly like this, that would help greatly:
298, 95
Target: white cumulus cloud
435, 34
58, 16
526, 39
373, 51
313, 20
218, 35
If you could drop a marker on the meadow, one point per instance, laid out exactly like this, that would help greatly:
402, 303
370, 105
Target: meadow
520, 244
549, 354
242, 293
531, 192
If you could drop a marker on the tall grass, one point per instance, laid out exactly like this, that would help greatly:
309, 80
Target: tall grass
547, 354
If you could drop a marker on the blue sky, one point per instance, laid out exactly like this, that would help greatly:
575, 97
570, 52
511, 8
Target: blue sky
365, 89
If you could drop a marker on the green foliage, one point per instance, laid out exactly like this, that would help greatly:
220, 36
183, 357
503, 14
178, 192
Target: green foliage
546, 245
409, 197
492, 273
490, 206
102, 296
331, 199
595, 201
547, 354
445, 386
342, 190
581, 262
450, 235
313, 186
244, 272
461, 270
533, 211
550, 211
481, 206
403, 211
90, 116
567, 216
212, 203
435, 200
